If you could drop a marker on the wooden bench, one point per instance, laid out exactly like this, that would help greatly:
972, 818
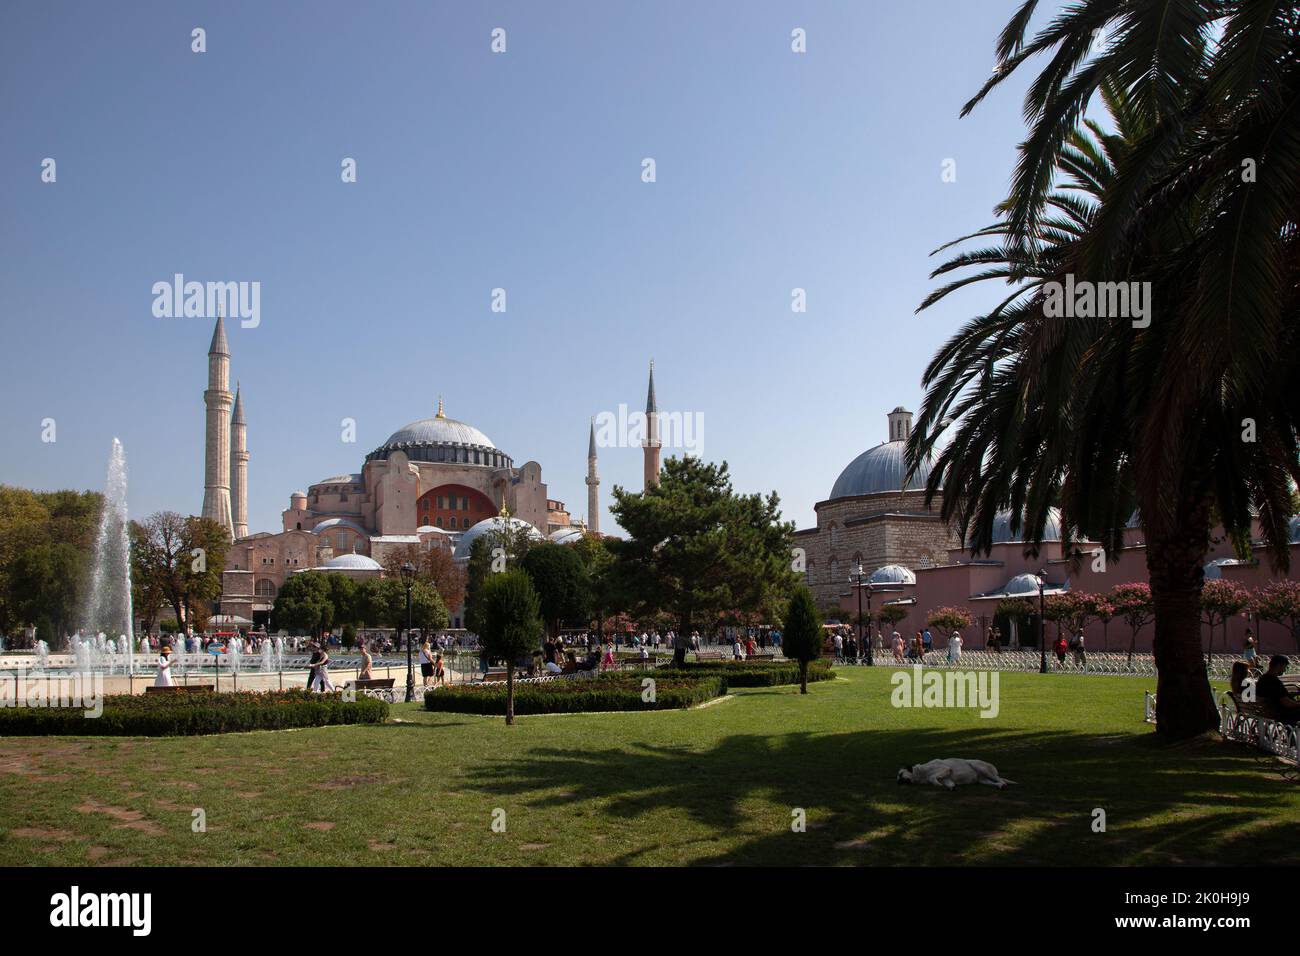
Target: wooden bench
182, 689
492, 674
761, 657
373, 683
638, 662
708, 655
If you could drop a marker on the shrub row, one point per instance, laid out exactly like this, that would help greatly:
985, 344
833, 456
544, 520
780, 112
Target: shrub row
578, 695
184, 715
754, 674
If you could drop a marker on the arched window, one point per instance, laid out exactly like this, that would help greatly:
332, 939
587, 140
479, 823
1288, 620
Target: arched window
264, 588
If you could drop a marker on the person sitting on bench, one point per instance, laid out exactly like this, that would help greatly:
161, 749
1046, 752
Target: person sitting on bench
1270, 692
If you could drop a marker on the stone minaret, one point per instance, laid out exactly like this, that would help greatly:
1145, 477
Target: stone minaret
217, 398
593, 484
651, 447
239, 468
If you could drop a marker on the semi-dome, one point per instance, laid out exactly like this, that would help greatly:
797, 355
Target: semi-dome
351, 562
330, 523
1002, 533
878, 470
892, 574
494, 525
569, 535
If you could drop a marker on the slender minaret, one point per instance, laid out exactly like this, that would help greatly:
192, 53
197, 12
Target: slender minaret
651, 447
593, 484
217, 398
239, 468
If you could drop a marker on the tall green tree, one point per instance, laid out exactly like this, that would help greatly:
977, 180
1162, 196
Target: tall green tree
697, 549
304, 603
801, 633
511, 623
1183, 407
562, 583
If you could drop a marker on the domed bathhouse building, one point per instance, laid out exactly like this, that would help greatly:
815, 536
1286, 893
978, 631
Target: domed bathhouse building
873, 518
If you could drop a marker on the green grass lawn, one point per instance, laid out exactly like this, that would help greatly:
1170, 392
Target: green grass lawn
714, 785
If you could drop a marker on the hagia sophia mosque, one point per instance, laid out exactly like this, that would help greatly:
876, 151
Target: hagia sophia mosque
436, 482
439, 482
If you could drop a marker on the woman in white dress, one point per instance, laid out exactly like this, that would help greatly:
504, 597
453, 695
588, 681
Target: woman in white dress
164, 678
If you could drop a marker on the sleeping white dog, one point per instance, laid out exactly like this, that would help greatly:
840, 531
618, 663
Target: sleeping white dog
952, 771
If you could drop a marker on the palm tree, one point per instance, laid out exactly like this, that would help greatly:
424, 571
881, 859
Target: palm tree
1189, 412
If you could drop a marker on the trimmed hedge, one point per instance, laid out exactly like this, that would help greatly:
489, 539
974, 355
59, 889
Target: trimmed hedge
185, 715
605, 692
754, 674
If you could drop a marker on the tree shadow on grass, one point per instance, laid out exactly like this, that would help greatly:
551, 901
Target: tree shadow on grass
1203, 803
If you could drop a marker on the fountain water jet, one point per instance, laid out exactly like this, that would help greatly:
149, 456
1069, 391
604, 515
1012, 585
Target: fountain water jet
110, 585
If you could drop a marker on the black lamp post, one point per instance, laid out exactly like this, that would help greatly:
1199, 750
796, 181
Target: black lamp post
1042, 625
860, 580
408, 579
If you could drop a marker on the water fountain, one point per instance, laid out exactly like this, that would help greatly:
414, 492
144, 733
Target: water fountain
43, 655
109, 604
279, 653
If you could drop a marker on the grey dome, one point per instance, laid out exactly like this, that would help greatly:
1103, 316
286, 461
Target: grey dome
1002, 533
439, 431
568, 535
892, 574
878, 470
351, 562
494, 524
1022, 585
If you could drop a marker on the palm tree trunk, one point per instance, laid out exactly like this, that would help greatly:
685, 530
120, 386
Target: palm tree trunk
1184, 701
803, 677
510, 691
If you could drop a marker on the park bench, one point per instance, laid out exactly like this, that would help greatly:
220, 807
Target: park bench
373, 683
708, 655
182, 689
762, 656
1251, 724
493, 674
638, 662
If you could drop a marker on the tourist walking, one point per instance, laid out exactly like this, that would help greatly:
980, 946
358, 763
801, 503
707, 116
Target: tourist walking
164, 678
1249, 649
927, 642
321, 680
954, 648
426, 662
1080, 657
897, 644
839, 647
366, 662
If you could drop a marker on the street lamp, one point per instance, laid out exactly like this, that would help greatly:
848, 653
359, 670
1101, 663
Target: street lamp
860, 580
1042, 625
408, 579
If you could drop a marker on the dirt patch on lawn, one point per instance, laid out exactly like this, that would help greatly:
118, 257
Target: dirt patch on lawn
323, 825
39, 833
131, 819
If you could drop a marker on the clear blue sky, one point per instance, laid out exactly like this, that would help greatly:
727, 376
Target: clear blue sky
476, 170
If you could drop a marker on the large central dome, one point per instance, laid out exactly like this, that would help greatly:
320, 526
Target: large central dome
882, 469
439, 431
878, 470
443, 439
